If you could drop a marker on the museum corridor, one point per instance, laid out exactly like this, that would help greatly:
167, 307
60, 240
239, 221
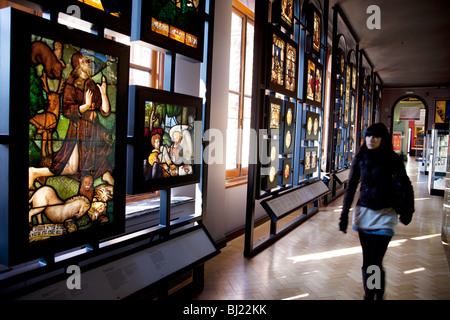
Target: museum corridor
318, 262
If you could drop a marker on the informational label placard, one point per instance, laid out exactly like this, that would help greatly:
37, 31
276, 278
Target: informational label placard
293, 200
123, 277
343, 176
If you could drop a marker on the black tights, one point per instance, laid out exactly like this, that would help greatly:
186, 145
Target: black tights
374, 248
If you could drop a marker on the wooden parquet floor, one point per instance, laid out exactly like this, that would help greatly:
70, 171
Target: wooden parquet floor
317, 262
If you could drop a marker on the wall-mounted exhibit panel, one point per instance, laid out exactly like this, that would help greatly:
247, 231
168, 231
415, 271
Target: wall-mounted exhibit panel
176, 26
313, 82
65, 91
286, 171
288, 141
269, 171
314, 25
274, 109
310, 160
283, 63
166, 148
311, 141
312, 126
278, 145
283, 14
114, 15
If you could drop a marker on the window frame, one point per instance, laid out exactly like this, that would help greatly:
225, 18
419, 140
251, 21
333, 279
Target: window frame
239, 174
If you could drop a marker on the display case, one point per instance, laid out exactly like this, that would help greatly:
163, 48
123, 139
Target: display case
445, 235
438, 159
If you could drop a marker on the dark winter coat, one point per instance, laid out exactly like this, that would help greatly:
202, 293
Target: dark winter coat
377, 170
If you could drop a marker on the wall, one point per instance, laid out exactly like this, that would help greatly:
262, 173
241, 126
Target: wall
390, 96
216, 212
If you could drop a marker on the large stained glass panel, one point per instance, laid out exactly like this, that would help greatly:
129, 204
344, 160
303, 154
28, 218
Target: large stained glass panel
72, 138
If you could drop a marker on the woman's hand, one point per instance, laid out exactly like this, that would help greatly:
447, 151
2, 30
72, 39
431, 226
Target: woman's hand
343, 223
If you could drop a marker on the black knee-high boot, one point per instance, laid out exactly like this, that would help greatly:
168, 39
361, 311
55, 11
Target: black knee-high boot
368, 293
380, 292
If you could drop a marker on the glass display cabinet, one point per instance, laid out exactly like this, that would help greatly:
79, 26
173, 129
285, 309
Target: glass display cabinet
438, 159
424, 163
445, 235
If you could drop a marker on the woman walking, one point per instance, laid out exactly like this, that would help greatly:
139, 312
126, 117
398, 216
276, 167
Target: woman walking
379, 170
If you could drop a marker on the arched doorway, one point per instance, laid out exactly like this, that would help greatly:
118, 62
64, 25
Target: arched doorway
409, 121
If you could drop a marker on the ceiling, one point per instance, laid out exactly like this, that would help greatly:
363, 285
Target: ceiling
412, 47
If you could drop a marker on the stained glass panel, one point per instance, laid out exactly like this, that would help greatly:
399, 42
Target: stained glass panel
168, 140
278, 52
311, 75
316, 32
291, 67
72, 138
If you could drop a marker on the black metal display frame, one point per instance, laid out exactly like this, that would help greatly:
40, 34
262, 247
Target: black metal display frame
281, 88
136, 183
366, 92
143, 16
304, 197
257, 194
344, 98
122, 243
15, 229
100, 19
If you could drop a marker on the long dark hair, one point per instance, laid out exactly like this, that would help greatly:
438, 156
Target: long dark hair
379, 130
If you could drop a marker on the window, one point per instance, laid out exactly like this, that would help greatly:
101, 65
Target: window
146, 67
240, 91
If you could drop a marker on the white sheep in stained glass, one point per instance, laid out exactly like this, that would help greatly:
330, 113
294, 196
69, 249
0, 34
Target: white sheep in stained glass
45, 200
